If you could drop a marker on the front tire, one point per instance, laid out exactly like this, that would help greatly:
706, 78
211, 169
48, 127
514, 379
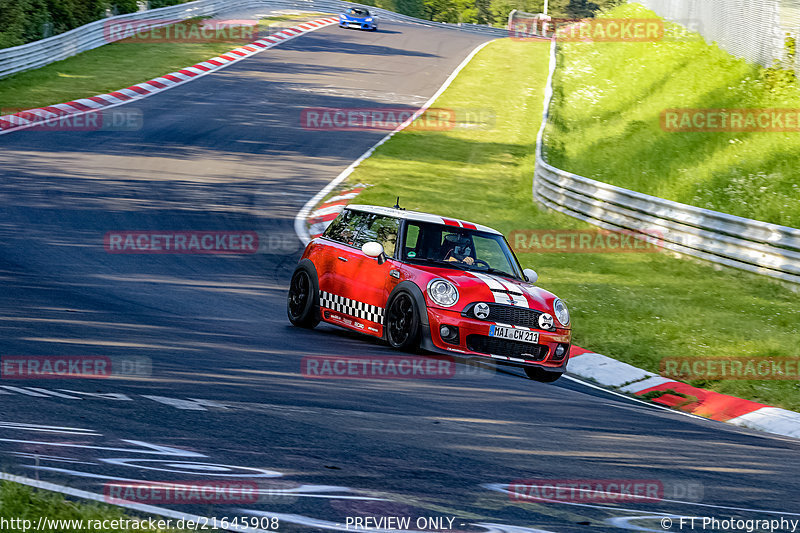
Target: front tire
303, 302
543, 376
403, 323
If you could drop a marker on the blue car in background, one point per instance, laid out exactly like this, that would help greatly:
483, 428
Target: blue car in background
358, 17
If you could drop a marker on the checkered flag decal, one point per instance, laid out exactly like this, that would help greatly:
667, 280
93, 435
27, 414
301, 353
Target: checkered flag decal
351, 307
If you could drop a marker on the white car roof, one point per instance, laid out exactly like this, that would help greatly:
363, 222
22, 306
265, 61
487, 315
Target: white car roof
421, 217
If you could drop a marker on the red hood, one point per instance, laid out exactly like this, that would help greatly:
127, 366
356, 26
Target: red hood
480, 287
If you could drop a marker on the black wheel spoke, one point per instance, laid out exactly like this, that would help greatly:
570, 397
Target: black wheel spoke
400, 320
299, 293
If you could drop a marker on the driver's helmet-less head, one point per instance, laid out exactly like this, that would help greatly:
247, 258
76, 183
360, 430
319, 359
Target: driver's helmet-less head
459, 245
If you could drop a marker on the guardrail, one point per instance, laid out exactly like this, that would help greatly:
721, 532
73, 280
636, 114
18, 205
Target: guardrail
90, 36
725, 239
93, 35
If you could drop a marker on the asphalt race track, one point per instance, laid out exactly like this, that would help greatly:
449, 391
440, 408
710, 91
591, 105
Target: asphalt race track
226, 398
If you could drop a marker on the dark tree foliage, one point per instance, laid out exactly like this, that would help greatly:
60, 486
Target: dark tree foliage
24, 21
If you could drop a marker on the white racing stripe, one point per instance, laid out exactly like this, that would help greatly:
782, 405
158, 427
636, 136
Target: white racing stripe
493, 285
516, 297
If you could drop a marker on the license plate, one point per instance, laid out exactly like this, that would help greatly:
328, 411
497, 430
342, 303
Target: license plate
521, 335
354, 25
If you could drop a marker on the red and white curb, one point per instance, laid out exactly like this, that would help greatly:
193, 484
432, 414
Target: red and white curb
323, 215
682, 396
32, 117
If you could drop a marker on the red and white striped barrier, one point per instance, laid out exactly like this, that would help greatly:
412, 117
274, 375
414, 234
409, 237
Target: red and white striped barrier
31, 117
323, 215
682, 396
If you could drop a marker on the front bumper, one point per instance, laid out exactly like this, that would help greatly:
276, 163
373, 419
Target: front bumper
474, 341
357, 24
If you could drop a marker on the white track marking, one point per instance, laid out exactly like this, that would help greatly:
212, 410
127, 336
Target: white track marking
501, 487
154, 449
48, 429
148, 509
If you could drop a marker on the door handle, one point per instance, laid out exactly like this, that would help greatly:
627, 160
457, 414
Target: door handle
342, 259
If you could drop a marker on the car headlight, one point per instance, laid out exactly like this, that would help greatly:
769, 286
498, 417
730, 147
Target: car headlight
561, 312
442, 292
369, 19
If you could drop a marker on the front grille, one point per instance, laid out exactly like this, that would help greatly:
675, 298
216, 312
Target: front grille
496, 346
509, 314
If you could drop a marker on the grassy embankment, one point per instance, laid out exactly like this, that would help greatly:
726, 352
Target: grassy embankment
637, 307
21, 503
606, 124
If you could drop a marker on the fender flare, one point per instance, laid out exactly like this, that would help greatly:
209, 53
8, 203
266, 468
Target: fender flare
419, 299
417, 295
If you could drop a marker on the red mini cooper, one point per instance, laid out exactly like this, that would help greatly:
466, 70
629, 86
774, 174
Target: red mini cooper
420, 280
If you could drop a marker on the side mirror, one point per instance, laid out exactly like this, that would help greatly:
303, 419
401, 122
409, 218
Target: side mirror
529, 274
375, 250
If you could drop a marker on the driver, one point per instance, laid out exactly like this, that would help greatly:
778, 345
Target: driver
458, 248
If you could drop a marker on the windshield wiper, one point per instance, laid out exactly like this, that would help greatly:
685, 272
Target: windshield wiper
491, 270
448, 264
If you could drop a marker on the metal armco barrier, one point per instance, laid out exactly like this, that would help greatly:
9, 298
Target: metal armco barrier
725, 239
39, 53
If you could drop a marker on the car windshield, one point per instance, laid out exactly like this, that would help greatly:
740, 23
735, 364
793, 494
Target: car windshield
460, 248
358, 12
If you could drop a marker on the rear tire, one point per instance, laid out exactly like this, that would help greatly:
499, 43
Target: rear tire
540, 375
403, 323
302, 305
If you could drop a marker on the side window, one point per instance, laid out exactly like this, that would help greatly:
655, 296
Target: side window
412, 242
381, 229
345, 227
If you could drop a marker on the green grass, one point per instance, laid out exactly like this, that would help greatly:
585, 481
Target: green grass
109, 68
636, 307
606, 124
20, 502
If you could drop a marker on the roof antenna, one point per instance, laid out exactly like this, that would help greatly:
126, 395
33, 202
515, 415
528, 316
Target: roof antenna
397, 204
